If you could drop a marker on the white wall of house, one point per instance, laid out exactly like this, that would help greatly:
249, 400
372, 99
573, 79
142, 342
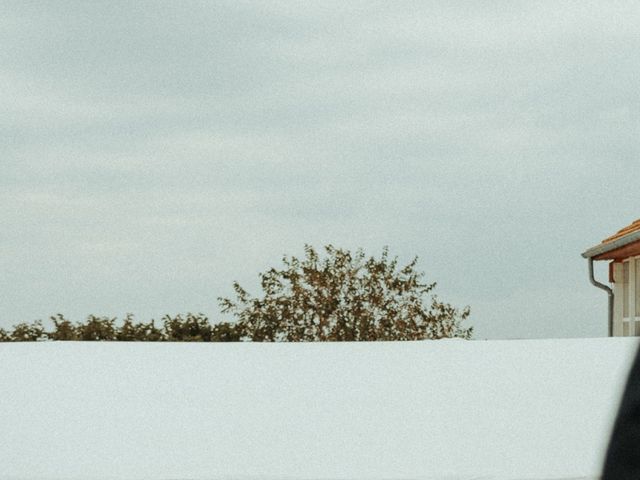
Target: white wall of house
626, 288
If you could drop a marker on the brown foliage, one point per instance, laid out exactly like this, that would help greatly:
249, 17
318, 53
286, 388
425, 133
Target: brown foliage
344, 297
340, 297
190, 328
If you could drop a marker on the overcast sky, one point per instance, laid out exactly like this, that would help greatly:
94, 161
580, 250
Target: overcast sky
153, 152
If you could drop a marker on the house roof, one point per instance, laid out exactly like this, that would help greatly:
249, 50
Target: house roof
634, 227
624, 243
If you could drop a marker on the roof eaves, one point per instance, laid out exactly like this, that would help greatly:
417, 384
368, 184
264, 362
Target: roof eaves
609, 246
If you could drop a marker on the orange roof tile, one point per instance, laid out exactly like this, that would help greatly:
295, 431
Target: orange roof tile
634, 227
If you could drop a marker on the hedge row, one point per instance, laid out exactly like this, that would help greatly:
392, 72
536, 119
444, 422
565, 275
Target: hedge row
188, 328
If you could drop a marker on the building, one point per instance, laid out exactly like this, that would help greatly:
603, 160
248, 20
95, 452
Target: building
622, 251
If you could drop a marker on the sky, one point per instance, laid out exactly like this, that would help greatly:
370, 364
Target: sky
152, 153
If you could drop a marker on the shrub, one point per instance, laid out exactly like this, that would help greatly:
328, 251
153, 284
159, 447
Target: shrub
138, 332
193, 328
28, 332
64, 329
97, 329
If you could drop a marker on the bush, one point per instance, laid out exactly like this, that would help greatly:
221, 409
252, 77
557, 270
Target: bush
138, 332
4, 335
227, 332
189, 328
193, 328
64, 329
97, 328
28, 332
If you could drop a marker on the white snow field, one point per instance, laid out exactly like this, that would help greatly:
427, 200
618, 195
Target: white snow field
452, 409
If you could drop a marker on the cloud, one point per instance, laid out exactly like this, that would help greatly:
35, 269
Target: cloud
156, 152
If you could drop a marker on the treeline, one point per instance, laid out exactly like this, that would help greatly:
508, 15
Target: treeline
330, 297
180, 328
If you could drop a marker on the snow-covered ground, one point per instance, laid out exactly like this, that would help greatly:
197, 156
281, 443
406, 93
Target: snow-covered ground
530, 409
